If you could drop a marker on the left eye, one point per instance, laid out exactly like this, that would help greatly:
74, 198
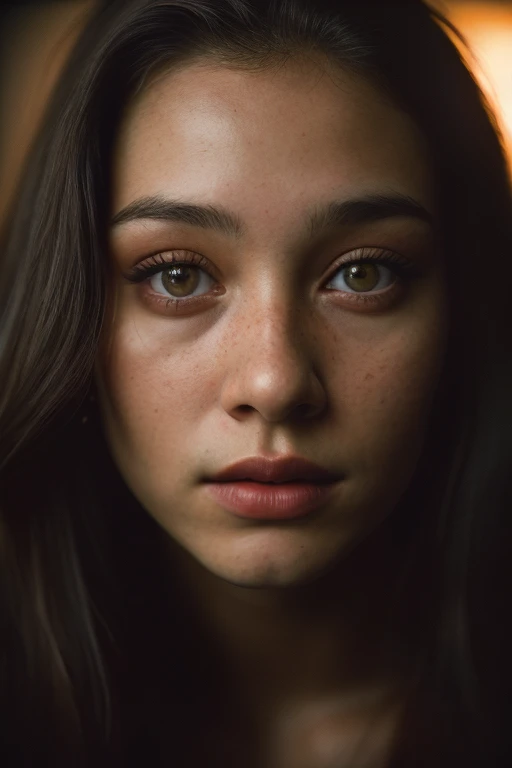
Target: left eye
180, 281
363, 276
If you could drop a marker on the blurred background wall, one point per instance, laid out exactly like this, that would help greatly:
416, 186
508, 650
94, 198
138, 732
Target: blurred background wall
36, 37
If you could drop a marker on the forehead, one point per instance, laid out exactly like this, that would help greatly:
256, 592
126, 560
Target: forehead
293, 135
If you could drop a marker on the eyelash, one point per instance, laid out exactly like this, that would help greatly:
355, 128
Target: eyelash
156, 263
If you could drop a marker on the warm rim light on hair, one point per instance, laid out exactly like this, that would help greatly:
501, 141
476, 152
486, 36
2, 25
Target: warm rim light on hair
488, 29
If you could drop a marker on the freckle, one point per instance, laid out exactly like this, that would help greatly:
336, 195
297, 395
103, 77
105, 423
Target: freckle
156, 410
369, 376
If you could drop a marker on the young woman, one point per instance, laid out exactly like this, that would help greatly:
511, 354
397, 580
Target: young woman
255, 401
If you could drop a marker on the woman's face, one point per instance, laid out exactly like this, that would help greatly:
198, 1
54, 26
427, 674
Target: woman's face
270, 347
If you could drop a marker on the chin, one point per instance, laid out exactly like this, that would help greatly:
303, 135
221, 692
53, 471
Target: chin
264, 569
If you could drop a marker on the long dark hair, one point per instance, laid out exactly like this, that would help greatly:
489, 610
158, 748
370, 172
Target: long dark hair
79, 560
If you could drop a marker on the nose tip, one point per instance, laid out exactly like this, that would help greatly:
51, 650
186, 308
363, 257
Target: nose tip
274, 375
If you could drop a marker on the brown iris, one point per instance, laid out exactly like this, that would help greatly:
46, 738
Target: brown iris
180, 280
362, 277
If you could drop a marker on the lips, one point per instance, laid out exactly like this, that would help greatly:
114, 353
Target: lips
285, 469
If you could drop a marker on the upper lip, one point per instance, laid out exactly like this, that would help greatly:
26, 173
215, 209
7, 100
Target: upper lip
276, 470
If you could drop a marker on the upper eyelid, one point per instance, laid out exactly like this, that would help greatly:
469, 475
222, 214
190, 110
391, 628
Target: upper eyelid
205, 262
381, 250
145, 265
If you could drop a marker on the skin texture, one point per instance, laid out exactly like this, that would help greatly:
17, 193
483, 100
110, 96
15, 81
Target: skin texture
275, 363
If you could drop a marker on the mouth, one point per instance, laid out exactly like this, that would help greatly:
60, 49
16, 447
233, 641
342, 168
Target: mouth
273, 488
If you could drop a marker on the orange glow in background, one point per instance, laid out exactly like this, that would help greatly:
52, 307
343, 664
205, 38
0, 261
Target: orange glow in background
487, 27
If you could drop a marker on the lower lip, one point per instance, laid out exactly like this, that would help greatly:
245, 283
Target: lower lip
269, 502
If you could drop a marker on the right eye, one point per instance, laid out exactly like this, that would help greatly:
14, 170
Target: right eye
178, 276
180, 281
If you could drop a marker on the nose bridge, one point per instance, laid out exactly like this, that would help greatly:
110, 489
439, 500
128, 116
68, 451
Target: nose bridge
272, 366
275, 321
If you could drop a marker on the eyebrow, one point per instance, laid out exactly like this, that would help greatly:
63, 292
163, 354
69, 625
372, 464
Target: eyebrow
336, 213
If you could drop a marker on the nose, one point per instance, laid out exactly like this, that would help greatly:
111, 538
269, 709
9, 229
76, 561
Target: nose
270, 366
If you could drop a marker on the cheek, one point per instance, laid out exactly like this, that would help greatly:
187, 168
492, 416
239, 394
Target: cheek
154, 391
390, 402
